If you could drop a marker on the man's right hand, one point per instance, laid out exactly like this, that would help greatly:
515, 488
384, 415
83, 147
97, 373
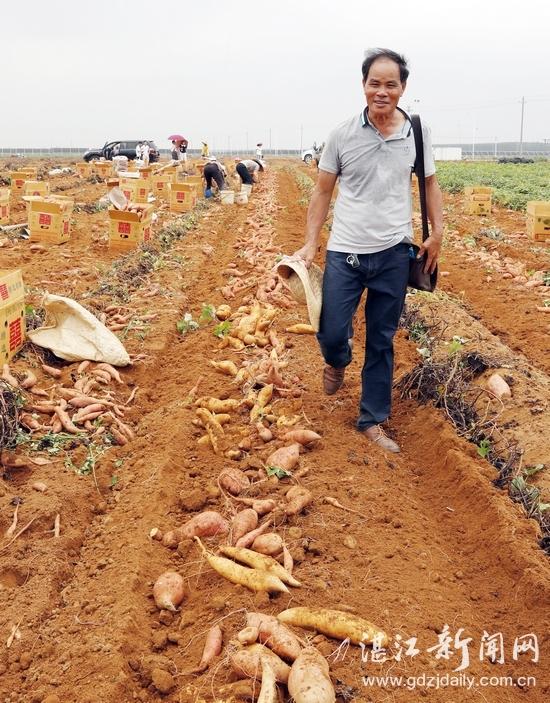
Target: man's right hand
306, 253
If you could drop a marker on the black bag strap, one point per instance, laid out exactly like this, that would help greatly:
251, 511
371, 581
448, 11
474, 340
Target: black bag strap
419, 171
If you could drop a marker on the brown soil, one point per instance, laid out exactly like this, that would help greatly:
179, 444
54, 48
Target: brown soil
436, 543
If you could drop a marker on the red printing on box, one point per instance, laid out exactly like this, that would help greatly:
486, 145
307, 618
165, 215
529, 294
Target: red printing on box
44, 219
15, 334
124, 227
4, 291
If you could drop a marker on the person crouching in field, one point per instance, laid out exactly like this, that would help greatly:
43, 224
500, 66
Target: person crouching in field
214, 172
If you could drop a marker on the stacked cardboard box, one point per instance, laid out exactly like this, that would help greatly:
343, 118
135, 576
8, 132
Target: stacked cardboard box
183, 197
84, 169
104, 169
136, 190
129, 229
36, 188
12, 313
160, 184
4, 206
49, 218
478, 200
538, 220
18, 179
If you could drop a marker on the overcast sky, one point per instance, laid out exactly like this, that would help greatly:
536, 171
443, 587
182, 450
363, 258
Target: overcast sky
284, 72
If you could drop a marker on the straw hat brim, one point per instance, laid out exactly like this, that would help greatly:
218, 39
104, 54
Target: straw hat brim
306, 285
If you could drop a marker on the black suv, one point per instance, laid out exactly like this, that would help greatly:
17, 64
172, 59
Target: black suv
119, 148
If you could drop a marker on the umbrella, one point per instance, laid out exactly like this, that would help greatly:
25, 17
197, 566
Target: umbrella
176, 138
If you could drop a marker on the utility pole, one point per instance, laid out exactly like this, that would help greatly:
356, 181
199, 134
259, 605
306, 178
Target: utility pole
521, 128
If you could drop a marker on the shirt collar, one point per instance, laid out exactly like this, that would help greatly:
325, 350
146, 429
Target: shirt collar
365, 122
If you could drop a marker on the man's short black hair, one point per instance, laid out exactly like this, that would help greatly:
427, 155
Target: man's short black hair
371, 55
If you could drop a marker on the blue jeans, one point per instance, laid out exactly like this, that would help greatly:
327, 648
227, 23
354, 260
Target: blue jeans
385, 274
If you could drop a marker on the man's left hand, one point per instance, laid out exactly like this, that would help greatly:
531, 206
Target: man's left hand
432, 247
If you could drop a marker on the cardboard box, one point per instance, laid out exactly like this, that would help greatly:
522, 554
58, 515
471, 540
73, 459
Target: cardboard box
538, 220
160, 185
18, 179
136, 190
49, 218
104, 169
84, 169
183, 197
478, 207
4, 206
36, 188
12, 313
478, 190
127, 231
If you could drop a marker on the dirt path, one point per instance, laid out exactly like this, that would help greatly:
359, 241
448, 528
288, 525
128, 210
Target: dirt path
436, 544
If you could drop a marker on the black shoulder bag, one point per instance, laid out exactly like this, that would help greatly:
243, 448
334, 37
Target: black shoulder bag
417, 278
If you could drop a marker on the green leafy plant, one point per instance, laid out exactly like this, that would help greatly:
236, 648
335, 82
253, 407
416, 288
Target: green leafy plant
222, 329
484, 448
277, 471
456, 345
208, 313
186, 324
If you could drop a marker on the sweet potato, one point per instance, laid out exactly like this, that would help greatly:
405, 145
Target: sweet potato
215, 405
169, 591
248, 635
265, 434
498, 386
244, 522
259, 561
301, 328
309, 679
234, 481
9, 377
253, 579
113, 373
297, 498
206, 524
29, 381
303, 437
51, 371
248, 662
278, 637
270, 544
223, 312
268, 691
334, 623
226, 367
249, 538
212, 648
285, 458
66, 421
261, 506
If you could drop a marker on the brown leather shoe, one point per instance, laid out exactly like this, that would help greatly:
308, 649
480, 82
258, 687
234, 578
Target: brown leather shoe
333, 379
377, 435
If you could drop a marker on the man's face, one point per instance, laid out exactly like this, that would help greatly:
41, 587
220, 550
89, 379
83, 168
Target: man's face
383, 88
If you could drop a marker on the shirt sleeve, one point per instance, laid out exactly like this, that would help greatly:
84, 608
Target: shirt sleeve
429, 163
330, 158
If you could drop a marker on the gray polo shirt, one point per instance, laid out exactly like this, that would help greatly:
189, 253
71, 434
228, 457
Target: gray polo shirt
373, 210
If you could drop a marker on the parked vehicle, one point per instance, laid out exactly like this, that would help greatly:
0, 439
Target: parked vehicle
314, 153
122, 148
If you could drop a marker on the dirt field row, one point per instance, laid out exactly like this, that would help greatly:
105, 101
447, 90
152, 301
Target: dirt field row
434, 548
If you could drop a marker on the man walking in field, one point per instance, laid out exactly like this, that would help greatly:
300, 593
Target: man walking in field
372, 154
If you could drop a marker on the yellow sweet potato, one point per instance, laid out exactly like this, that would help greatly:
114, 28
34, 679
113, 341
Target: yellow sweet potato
334, 623
301, 328
234, 481
253, 579
226, 367
260, 561
309, 679
247, 662
206, 524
